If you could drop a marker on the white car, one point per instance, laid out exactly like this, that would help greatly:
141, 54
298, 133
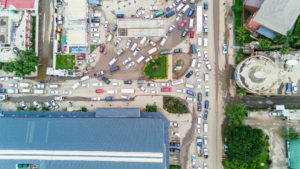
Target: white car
148, 59
199, 64
205, 17
198, 53
205, 42
173, 124
53, 91
148, 16
128, 43
23, 105
294, 88
171, 28
116, 83
106, 25
94, 30
274, 114
208, 66
154, 91
17, 78
126, 61
92, 55
224, 48
90, 61
205, 55
175, 133
96, 99
85, 84
152, 85
205, 166
179, 16
199, 117
143, 89
194, 159
199, 41
205, 29
136, 51
205, 140
180, 90
59, 98
54, 104
197, 73
206, 76
95, 35
198, 83
198, 129
48, 104
96, 84
78, 62
191, 99
139, 13
67, 92
4, 78
117, 42
13, 85
165, 84
120, 51
130, 65
96, 41
95, 24
36, 104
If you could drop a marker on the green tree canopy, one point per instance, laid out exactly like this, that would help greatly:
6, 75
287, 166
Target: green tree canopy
241, 34
264, 44
151, 108
244, 143
235, 114
84, 109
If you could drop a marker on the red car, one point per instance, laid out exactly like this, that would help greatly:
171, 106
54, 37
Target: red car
0, 85
166, 89
191, 34
80, 57
183, 23
99, 91
102, 47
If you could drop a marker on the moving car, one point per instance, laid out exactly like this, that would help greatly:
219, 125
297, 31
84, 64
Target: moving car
191, 34
102, 47
189, 74
143, 89
224, 48
184, 33
106, 80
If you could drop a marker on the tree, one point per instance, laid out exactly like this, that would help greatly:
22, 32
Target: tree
264, 44
234, 164
151, 108
286, 48
84, 109
245, 144
45, 108
19, 108
32, 108
241, 34
290, 134
235, 114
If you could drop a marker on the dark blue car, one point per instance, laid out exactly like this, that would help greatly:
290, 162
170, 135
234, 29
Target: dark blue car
192, 93
174, 150
188, 75
175, 144
199, 107
199, 97
191, 12
206, 104
205, 115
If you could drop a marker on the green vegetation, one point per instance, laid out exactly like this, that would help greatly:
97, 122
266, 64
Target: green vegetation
180, 62
290, 134
292, 106
240, 91
240, 56
27, 63
32, 108
157, 69
250, 108
175, 167
247, 148
45, 108
83, 109
92, 48
264, 44
236, 114
19, 108
33, 32
174, 105
65, 62
151, 108
296, 34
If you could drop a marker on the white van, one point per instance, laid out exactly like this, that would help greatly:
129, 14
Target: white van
199, 41
153, 50
191, 23
179, 7
54, 86
134, 46
163, 41
127, 90
76, 85
189, 86
205, 42
125, 97
87, 77
114, 60
186, 7
140, 59
143, 40
205, 127
193, 62
112, 91
109, 37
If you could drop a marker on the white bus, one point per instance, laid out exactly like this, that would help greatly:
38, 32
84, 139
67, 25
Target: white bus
199, 20
177, 82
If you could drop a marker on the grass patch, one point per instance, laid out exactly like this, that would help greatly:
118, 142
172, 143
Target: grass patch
157, 69
250, 108
92, 48
174, 105
175, 167
292, 106
33, 33
240, 56
65, 62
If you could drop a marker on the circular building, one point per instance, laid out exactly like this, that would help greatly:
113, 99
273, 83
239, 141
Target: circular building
257, 74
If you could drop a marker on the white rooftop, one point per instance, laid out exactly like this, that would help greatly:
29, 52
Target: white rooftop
76, 37
278, 15
76, 9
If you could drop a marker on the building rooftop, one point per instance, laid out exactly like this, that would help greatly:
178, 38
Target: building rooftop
4, 30
266, 32
83, 142
141, 27
18, 4
253, 3
278, 15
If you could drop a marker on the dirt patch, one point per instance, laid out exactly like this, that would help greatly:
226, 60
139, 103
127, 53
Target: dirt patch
185, 60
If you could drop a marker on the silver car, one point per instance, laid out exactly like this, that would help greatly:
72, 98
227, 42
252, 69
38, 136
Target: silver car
130, 65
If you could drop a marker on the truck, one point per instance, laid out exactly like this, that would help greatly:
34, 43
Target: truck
199, 146
40, 91
153, 50
170, 14
27, 91
12, 91
25, 85
109, 98
127, 91
165, 52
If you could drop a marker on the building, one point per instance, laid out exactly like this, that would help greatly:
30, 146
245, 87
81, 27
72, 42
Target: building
108, 138
274, 15
141, 27
18, 24
268, 72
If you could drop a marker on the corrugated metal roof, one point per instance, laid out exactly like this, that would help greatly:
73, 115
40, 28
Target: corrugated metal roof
254, 3
266, 32
116, 112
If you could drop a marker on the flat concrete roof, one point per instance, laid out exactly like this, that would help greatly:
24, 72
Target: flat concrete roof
4, 30
76, 9
76, 37
141, 27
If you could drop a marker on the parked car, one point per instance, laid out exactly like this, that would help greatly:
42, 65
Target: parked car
205, 18
166, 89
130, 65
173, 124
128, 82
274, 113
102, 47
175, 144
126, 60
128, 43
184, 33
151, 84
183, 23
175, 133
94, 30
106, 25
205, 115
294, 88
143, 89
114, 28
199, 96
106, 80
96, 41
171, 28
206, 104
189, 74
117, 42
165, 84
67, 92
100, 73
92, 55
179, 16
190, 92
198, 83
80, 57
95, 98
90, 61
99, 91
59, 98
36, 104
54, 104
174, 150
191, 34
199, 107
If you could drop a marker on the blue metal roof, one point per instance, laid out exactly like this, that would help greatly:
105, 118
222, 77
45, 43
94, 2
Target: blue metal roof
86, 134
266, 32
116, 112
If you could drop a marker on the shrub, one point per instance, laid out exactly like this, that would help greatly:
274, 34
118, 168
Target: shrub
157, 69
174, 105
151, 108
83, 109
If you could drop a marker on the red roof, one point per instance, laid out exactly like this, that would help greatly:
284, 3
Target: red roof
253, 25
18, 4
